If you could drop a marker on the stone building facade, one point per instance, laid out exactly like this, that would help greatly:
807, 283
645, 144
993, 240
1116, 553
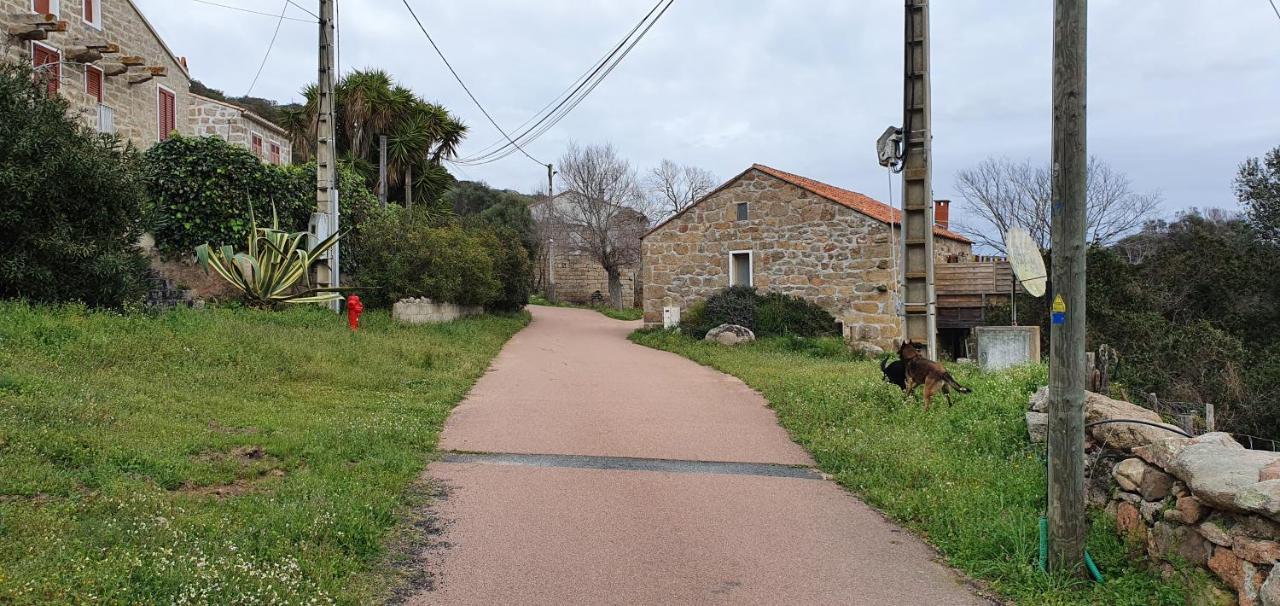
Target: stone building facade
239, 126
784, 233
111, 65
572, 275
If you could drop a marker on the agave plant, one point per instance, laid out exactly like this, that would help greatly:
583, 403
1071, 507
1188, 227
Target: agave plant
275, 262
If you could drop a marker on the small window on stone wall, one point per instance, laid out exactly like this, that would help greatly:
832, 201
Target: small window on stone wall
742, 211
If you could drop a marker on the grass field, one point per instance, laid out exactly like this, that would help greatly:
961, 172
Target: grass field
966, 477
224, 456
626, 313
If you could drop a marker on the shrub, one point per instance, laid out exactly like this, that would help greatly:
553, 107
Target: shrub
512, 268
407, 256
769, 315
204, 188
72, 204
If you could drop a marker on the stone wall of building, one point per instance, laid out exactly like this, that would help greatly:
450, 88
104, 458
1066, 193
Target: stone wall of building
802, 245
577, 276
135, 107
213, 118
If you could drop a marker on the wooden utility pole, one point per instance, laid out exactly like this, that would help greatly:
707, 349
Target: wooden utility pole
1067, 369
326, 150
382, 170
919, 303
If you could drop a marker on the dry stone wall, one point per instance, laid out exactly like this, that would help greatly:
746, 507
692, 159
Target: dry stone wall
134, 106
577, 276
802, 245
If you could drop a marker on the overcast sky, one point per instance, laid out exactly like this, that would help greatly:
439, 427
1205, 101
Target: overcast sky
1180, 91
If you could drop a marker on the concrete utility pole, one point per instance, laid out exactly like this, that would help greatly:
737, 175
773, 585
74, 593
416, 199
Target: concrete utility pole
326, 150
382, 170
919, 303
1067, 372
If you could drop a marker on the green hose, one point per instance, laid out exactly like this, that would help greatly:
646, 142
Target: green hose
1044, 553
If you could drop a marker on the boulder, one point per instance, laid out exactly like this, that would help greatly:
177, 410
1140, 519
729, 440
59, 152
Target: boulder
868, 350
1255, 527
1188, 510
1122, 436
1128, 474
1217, 531
1127, 517
1167, 540
1270, 472
1039, 401
1162, 451
730, 334
1269, 593
1216, 472
1256, 550
1037, 426
1261, 497
1155, 485
1238, 574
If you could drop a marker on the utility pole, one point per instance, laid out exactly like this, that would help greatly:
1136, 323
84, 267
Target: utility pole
1067, 523
326, 151
382, 170
919, 303
551, 244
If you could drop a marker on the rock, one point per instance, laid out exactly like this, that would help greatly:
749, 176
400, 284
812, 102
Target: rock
730, 334
1037, 426
1262, 497
1216, 473
1179, 489
1039, 401
1155, 484
1217, 531
1269, 593
1129, 497
1240, 575
1256, 551
1127, 517
868, 350
1128, 473
1255, 527
1270, 472
1122, 436
1167, 540
1161, 452
1150, 511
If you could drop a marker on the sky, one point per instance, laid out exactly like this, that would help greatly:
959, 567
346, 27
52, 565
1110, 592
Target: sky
1180, 92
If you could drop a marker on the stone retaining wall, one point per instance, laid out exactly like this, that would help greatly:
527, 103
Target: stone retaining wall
426, 311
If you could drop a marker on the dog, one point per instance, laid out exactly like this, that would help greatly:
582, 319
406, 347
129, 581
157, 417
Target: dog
923, 371
894, 372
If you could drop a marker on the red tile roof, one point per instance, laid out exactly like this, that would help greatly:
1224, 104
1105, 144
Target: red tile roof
868, 206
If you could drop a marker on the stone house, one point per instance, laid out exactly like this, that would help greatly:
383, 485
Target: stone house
239, 126
106, 59
569, 274
785, 233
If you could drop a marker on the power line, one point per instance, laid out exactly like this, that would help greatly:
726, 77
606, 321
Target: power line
1273, 7
284, 8
306, 10
464, 85
246, 10
569, 91
586, 86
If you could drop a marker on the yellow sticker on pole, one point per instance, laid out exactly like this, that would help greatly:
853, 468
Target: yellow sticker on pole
1059, 310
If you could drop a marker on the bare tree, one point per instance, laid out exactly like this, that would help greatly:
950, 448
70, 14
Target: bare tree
672, 187
601, 212
1001, 194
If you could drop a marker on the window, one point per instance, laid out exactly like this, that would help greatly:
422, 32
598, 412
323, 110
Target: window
257, 145
742, 211
275, 152
167, 111
45, 7
91, 14
48, 65
740, 268
93, 82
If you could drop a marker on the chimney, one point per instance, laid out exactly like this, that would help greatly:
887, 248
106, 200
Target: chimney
942, 213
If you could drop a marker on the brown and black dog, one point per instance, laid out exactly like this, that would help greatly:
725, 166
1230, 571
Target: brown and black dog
923, 371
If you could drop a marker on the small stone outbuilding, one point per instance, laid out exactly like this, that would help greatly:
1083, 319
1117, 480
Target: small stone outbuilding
781, 232
239, 126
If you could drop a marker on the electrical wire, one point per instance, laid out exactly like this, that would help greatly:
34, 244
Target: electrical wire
1273, 7
584, 88
308, 11
570, 90
270, 45
251, 11
464, 85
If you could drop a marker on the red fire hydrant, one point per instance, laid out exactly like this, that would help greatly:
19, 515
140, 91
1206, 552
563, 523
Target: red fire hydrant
354, 309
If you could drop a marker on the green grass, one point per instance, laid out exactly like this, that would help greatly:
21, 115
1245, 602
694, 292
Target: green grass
627, 313
118, 432
966, 477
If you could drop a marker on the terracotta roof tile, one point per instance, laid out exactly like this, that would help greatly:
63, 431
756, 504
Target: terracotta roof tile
866, 205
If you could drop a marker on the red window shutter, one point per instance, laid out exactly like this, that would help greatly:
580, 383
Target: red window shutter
257, 146
49, 67
168, 111
42, 7
88, 11
93, 83
275, 153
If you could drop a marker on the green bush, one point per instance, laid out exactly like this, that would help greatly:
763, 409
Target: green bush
512, 268
73, 205
204, 189
768, 315
407, 256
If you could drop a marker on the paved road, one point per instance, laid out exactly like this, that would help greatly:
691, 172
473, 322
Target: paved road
638, 505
